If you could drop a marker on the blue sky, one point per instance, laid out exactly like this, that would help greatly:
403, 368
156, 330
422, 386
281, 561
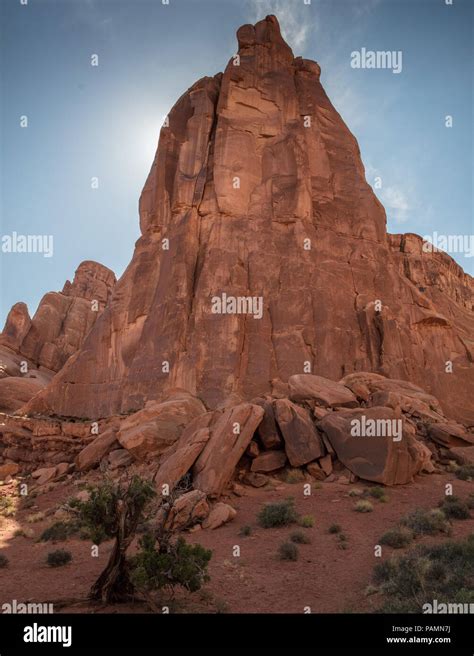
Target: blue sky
104, 121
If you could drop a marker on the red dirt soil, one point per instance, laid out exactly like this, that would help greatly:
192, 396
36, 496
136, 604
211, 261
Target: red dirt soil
325, 577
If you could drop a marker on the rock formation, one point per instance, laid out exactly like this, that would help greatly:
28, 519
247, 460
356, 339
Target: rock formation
265, 310
32, 350
258, 190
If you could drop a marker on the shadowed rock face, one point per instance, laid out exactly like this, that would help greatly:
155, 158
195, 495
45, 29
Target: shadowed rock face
259, 187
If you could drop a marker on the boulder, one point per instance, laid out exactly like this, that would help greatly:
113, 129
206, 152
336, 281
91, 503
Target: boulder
252, 450
302, 441
463, 454
395, 393
8, 469
450, 435
93, 453
231, 432
326, 464
377, 456
220, 514
44, 475
306, 387
189, 446
151, 431
315, 471
269, 461
268, 429
187, 510
119, 458
254, 479
15, 391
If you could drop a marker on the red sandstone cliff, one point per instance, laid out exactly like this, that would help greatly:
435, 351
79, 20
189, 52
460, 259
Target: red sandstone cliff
259, 187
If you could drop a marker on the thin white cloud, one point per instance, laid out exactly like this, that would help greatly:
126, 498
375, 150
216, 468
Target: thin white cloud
296, 19
398, 202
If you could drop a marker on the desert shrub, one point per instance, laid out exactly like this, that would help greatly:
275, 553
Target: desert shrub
24, 532
397, 538
465, 472
35, 517
59, 558
298, 537
288, 551
245, 531
363, 506
335, 528
3, 561
59, 531
377, 493
444, 572
170, 564
470, 500
426, 522
342, 541
356, 492
454, 508
7, 506
280, 513
294, 476
306, 521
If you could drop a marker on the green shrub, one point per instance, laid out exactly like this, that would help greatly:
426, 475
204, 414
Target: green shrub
334, 528
59, 531
306, 521
426, 522
3, 561
454, 508
294, 476
444, 572
245, 531
288, 551
298, 537
465, 472
377, 493
59, 558
276, 514
397, 538
99, 513
157, 566
363, 506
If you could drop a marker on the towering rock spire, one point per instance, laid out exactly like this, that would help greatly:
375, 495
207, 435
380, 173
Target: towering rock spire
264, 254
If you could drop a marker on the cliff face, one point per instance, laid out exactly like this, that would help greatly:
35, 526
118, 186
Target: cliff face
258, 190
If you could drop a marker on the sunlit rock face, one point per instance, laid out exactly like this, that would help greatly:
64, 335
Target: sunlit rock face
258, 192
